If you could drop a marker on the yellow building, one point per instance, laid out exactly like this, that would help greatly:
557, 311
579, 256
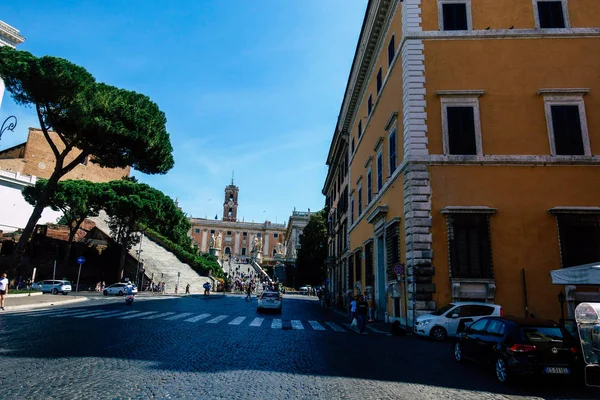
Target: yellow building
471, 139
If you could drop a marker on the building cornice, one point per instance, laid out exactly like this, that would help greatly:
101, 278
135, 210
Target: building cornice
9, 36
502, 34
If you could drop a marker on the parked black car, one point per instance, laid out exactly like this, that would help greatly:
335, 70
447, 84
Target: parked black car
520, 346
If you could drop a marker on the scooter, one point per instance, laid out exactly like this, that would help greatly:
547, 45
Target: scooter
129, 299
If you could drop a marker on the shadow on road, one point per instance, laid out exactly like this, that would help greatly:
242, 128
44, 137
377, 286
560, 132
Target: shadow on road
203, 348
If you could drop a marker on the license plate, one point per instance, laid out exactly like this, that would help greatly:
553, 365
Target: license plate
269, 301
557, 370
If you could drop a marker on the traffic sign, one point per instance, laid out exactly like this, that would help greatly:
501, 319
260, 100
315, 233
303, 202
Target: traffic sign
327, 280
80, 260
398, 269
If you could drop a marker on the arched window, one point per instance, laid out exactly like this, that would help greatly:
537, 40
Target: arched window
227, 250
230, 196
230, 212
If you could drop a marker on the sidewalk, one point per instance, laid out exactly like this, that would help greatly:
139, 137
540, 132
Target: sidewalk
37, 301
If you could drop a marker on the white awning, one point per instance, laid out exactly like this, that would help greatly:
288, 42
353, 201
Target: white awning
588, 274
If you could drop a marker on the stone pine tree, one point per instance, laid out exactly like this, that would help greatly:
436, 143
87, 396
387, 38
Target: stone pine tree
310, 263
131, 206
75, 199
117, 127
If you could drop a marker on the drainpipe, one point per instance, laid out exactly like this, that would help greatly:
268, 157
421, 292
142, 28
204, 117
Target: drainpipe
384, 262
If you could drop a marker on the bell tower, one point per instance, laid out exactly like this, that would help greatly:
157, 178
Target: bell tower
230, 204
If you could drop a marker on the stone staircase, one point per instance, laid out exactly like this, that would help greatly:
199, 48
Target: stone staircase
162, 264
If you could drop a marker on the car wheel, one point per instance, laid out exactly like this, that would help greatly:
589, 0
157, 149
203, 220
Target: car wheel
105, 293
502, 370
458, 356
54, 291
120, 293
439, 334
259, 310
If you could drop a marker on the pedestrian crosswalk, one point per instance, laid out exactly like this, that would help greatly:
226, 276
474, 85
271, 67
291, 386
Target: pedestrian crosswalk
188, 318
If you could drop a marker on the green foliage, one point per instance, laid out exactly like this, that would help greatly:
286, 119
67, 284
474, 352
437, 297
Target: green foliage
310, 263
117, 127
200, 263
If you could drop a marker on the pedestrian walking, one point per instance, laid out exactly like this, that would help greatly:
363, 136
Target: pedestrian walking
372, 309
249, 293
176, 287
3, 290
187, 289
353, 304
362, 308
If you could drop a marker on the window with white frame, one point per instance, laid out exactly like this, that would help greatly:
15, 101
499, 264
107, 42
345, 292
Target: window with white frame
352, 210
392, 151
359, 194
454, 15
379, 170
551, 14
461, 125
566, 121
370, 104
369, 185
391, 50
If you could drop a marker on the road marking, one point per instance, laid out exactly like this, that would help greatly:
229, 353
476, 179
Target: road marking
197, 318
178, 316
117, 315
257, 322
237, 321
137, 315
276, 324
93, 314
335, 327
316, 326
297, 324
69, 313
159, 315
218, 319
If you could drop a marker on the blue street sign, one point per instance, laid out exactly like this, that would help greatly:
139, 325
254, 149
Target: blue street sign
80, 260
398, 269
327, 280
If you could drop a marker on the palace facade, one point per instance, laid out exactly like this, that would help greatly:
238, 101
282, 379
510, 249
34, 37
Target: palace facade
237, 237
471, 151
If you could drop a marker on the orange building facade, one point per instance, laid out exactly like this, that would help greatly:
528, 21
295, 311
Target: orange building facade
473, 152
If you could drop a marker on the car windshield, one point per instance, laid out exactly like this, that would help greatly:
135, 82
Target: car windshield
542, 334
442, 310
66, 283
270, 295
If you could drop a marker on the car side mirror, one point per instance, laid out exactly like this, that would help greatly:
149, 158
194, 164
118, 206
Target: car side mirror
454, 316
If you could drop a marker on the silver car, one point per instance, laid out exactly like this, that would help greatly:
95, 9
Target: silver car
55, 286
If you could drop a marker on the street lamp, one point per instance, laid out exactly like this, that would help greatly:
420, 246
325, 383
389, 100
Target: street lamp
561, 299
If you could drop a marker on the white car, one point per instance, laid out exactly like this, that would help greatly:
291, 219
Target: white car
305, 289
54, 286
118, 289
453, 318
269, 300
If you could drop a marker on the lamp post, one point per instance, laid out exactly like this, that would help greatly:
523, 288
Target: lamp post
11, 125
561, 299
139, 254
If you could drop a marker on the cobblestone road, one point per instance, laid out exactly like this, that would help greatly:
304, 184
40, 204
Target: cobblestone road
169, 348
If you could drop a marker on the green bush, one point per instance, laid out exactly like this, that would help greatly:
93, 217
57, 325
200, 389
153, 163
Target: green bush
202, 263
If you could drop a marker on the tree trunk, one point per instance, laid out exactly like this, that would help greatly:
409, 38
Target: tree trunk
42, 203
122, 262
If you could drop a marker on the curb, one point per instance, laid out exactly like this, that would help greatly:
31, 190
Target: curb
14, 296
42, 305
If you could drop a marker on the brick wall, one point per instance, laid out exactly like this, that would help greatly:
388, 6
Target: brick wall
39, 161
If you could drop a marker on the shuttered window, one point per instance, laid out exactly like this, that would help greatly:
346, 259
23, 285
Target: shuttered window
551, 14
370, 104
392, 150
566, 124
455, 17
379, 80
470, 248
461, 130
391, 50
379, 172
369, 186
359, 194
360, 132
579, 239
392, 250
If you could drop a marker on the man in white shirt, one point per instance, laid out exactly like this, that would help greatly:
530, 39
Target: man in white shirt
3, 290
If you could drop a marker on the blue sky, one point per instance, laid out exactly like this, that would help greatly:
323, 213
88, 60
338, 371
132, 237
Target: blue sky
253, 86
